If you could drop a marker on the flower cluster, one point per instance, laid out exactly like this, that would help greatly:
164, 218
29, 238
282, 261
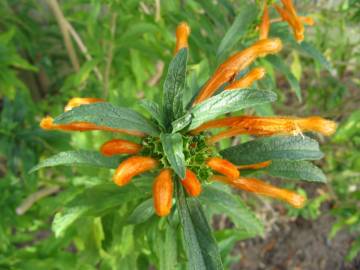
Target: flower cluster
208, 165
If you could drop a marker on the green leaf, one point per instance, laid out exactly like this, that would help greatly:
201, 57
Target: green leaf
95, 201
232, 206
142, 212
181, 123
228, 101
200, 245
281, 66
241, 24
174, 87
270, 148
80, 157
173, 149
168, 249
155, 111
296, 169
107, 115
315, 54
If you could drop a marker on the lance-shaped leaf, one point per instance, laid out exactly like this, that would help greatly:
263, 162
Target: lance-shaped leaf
174, 87
173, 149
95, 201
281, 66
226, 203
155, 111
200, 245
80, 157
270, 148
228, 101
246, 16
315, 54
142, 212
181, 123
296, 169
107, 115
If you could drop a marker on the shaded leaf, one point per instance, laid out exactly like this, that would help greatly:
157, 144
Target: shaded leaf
228, 101
242, 22
94, 202
80, 157
154, 109
142, 212
296, 169
200, 244
232, 206
173, 148
315, 54
281, 66
107, 115
270, 148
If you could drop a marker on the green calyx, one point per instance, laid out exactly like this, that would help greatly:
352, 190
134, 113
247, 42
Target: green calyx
195, 150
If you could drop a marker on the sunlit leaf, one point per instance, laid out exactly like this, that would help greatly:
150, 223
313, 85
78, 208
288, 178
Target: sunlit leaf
107, 115
270, 148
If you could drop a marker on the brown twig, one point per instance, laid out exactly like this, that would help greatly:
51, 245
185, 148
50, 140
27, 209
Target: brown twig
35, 197
159, 69
82, 48
59, 16
110, 55
157, 10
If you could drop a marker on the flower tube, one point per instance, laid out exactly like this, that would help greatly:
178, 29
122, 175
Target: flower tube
163, 193
131, 167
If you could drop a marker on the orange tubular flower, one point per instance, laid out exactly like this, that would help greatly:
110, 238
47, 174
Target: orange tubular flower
224, 167
266, 126
246, 81
237, 62
47, 123
116, 147
265, 23
182, 35
163, 193
75, 102
191, 184
259, 187
131, 167
289, 15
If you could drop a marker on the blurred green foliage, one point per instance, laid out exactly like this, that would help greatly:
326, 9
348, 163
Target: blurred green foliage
123, 49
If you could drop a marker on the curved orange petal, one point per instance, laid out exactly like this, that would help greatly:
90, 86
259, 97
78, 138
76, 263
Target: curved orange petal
265, 23
237, 62
248, 79
131, 167
163, 193
224, 167
262, 188
77, 101
47, 123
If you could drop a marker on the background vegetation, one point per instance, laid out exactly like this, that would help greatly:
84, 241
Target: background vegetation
51, 51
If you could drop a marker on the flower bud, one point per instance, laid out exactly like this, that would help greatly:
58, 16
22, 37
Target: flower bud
118, 146
182, 35
163, 193
191, 184
131, 167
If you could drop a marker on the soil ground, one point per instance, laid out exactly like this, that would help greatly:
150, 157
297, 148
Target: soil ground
298, 245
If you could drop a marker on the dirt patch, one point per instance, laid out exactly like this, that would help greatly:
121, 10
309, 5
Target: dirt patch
298, 245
